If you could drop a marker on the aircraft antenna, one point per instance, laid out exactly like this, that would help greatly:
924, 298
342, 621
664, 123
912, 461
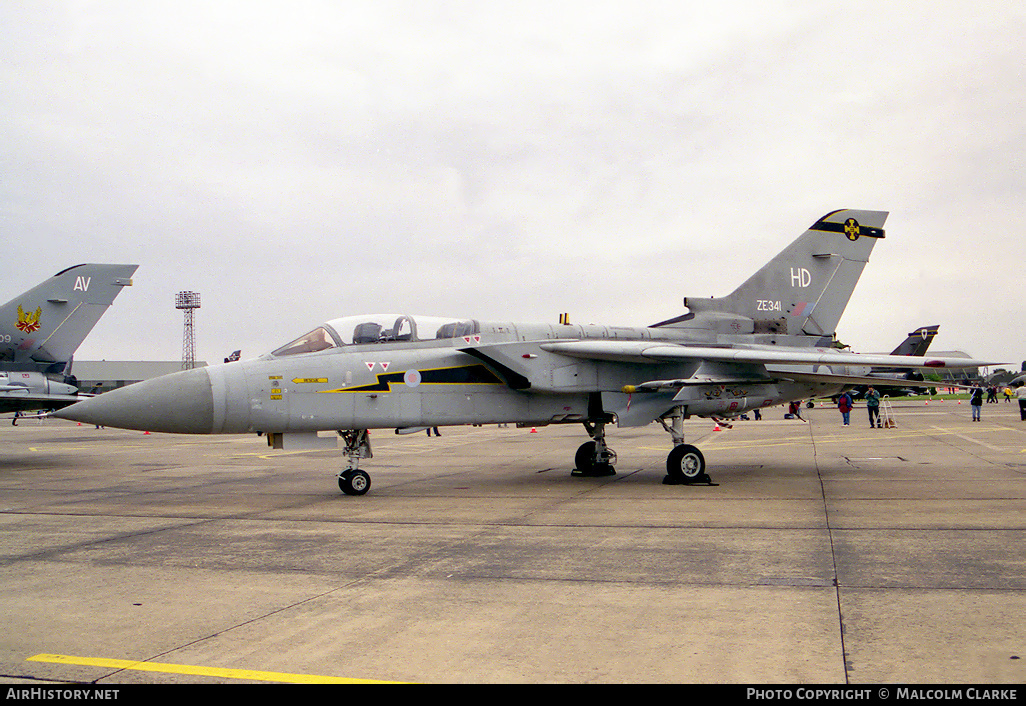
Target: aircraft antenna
188, 302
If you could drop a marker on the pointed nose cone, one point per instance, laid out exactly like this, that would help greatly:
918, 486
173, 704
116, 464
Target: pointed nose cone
180, 403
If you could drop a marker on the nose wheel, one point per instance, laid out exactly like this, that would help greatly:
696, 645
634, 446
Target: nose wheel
353, 481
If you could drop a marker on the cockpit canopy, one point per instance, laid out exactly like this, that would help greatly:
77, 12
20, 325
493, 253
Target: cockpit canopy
317, 340
372, 329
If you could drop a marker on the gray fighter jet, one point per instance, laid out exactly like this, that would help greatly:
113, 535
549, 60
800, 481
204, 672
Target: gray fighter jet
41, 329
898, 379
767, 343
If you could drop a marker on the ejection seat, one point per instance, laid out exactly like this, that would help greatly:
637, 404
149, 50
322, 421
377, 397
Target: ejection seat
368, 332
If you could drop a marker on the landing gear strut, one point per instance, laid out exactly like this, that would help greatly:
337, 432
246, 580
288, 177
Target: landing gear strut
594, 458
685, 464
353, 481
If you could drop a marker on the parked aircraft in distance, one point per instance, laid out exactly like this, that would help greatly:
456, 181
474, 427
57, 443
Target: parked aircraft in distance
41, 330
895, 381
767, 343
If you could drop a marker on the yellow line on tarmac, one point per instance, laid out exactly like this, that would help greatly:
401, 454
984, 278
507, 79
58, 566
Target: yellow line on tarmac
200, 671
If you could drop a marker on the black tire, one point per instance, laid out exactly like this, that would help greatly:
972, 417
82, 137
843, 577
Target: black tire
584, 459
685, 463
354, 483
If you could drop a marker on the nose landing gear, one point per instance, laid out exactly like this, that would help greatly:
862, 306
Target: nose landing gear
353, 481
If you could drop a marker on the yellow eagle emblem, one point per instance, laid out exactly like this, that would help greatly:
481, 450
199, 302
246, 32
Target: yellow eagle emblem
29, 323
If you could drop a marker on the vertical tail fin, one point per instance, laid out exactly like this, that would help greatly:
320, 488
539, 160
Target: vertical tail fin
47, 323
805, 288
917, 342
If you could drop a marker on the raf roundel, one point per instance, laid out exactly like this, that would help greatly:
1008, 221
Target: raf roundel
851, 229
412, 378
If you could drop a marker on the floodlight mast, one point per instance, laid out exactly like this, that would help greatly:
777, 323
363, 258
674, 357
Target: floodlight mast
188, 302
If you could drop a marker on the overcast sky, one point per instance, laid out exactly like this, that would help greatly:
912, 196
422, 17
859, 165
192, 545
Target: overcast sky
296, 162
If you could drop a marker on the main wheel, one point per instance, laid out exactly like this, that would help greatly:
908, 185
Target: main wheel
354, 482
584, 459
685, 463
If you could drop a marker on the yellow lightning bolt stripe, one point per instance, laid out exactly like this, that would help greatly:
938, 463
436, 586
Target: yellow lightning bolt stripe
194, 670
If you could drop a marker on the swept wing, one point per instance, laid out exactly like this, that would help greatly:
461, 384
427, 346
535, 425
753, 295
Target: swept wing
653, 352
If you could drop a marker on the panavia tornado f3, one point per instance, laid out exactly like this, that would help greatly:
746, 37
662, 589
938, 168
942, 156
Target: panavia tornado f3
767, 343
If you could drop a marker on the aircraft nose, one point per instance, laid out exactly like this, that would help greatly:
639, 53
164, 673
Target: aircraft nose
180, 403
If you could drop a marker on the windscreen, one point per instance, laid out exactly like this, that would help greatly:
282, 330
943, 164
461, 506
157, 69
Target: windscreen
317, 340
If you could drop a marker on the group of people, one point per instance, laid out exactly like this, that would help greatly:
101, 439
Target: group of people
976, 400
992, 394
846, 403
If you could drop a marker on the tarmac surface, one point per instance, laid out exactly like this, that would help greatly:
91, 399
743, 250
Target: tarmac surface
825, 554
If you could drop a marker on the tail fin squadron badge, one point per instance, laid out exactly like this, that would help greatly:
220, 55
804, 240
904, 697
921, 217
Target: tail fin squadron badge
29, 323
851, 229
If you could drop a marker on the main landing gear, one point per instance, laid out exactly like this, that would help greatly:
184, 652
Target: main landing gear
594, 458
353, 481
685, 464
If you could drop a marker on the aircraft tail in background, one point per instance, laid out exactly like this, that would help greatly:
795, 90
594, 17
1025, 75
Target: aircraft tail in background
918, 342
47, 323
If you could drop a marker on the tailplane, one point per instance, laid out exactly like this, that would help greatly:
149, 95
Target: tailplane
805, 288
47, 323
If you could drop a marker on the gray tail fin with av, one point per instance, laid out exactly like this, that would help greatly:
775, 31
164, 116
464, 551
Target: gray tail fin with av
806, 287
47, 323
